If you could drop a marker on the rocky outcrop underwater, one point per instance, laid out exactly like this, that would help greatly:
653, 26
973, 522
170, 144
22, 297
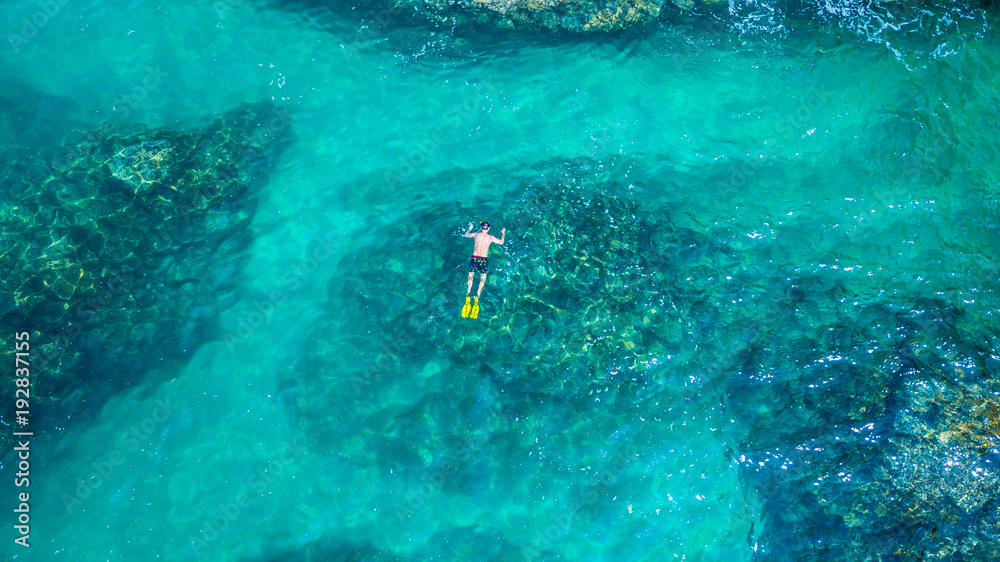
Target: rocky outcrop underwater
120, 249
590, 16
577, 16
877, 434
864, 421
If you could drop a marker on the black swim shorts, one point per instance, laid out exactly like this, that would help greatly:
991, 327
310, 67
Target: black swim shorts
478, 264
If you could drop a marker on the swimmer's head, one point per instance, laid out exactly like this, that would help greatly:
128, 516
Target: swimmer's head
484, 225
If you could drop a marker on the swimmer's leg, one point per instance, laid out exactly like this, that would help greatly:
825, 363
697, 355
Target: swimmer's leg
482, 281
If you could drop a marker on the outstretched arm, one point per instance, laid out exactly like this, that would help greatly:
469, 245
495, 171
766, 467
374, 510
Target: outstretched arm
468, 233
503, 236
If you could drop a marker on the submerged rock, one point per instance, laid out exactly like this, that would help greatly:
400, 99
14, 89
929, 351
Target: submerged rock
572, 15
584, 276
944, 21
144, 164
866, 422
583, 16
113, 254
880, 434
579, 328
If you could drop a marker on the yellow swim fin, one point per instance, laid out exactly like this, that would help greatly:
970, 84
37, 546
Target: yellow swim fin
467, 308
475, 310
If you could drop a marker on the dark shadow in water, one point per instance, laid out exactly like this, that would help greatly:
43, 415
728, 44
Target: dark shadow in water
33, 123
122, 249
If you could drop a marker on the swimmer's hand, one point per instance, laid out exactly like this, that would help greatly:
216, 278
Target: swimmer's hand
503, 231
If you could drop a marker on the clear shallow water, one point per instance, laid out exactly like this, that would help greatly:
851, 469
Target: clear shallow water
792, 179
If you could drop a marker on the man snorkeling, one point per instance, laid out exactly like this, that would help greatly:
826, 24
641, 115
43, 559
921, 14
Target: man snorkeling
479, 262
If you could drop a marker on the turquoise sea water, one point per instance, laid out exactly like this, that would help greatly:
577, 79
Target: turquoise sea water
746, 308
